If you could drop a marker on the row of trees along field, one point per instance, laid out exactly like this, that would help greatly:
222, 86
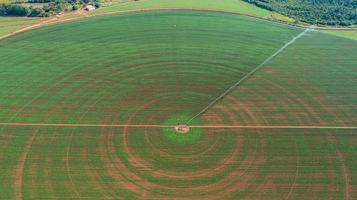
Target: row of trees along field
43, 8
321, 12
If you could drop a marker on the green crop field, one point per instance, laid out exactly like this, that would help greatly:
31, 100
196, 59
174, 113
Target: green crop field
235, 6
5, 1
226, 5
87, 110
349, 34
11, 24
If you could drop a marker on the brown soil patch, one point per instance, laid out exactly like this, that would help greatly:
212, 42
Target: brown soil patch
182, 128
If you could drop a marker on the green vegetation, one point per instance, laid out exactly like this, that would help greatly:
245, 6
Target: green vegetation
171, 135
51, 7
160, 68
324, 12
126, 6
224, 5
5, 1
219, 5
9, 25
14, 10
350, 34
316, 75
174, 47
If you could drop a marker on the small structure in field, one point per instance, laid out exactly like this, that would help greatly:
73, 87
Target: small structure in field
89, 8
182, 128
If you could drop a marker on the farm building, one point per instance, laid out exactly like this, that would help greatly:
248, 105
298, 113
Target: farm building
89, 8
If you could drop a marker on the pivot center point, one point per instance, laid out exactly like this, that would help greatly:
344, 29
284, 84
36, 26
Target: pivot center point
182, 128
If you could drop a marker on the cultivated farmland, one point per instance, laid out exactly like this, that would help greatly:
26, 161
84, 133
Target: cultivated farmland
9, 25
87, 110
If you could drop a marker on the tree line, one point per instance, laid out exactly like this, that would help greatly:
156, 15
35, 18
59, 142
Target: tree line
51, 7
319, 12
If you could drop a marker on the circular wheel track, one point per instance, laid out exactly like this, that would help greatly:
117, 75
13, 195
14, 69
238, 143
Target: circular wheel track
236, 169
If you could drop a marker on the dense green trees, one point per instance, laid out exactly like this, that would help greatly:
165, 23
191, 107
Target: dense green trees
24, 11
51, 8
14, 10
324, 12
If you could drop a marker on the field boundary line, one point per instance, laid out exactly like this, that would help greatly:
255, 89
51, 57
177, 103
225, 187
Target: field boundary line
84, 125
173, 126
273, 127
39, 24
251, 73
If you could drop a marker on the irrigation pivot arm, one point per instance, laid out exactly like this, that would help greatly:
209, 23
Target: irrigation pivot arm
249, 74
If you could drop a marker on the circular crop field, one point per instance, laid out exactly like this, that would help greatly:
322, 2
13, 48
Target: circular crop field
149, 68
118, 91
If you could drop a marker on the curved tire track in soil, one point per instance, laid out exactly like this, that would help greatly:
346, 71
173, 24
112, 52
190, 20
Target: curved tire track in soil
116, 167
261, 120
344, 170
88, 108
220, 186
19, 170
293, 185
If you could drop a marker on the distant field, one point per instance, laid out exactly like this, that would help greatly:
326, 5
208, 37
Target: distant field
236, 6
11, 24
350, 34
5, 1
161, 68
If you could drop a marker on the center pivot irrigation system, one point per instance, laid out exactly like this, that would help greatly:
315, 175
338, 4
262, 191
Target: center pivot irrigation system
186, 127
251, 73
